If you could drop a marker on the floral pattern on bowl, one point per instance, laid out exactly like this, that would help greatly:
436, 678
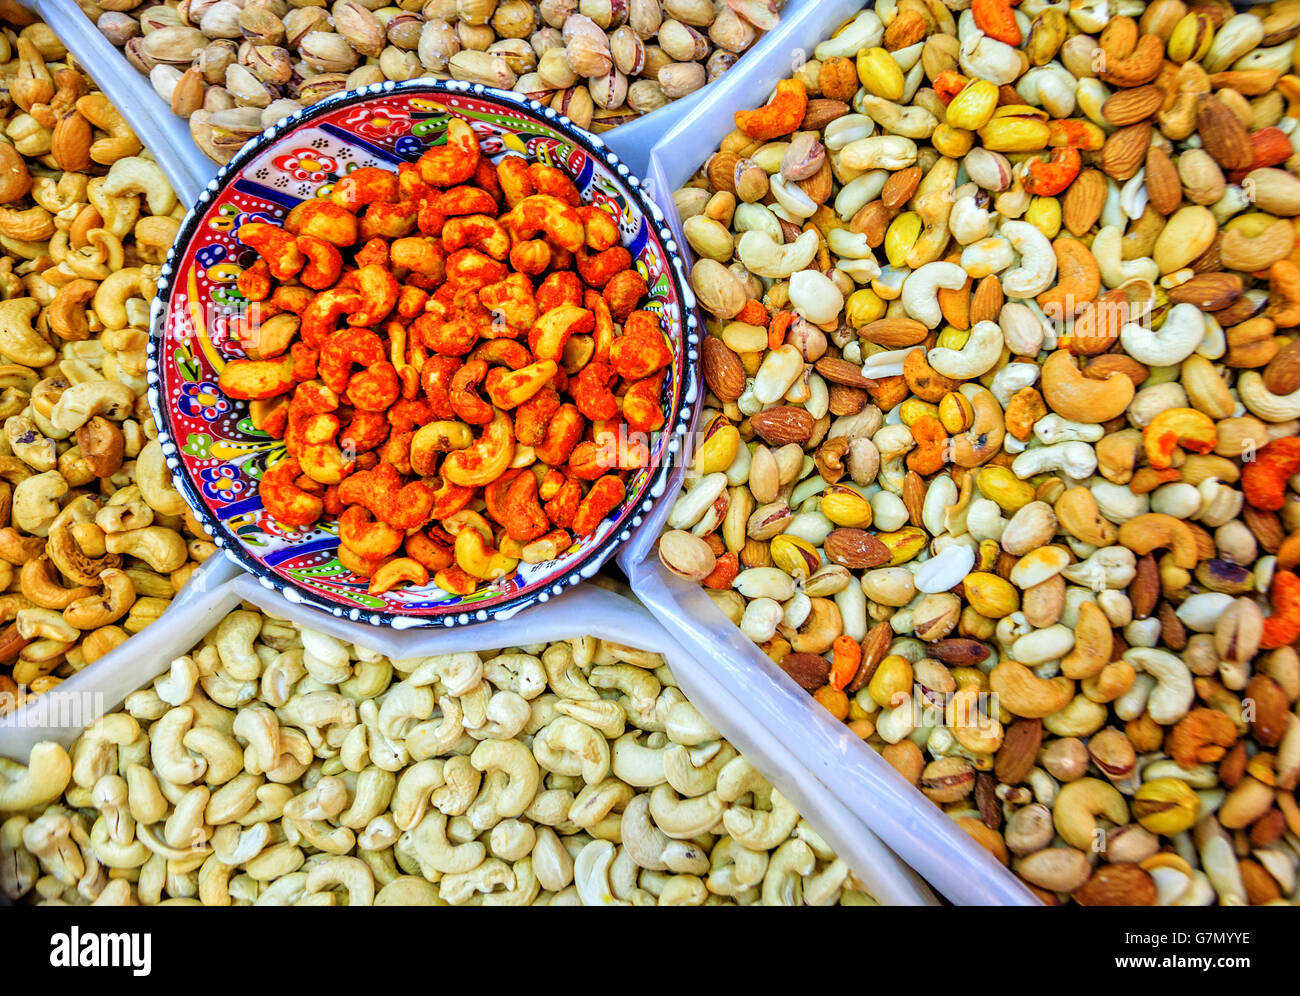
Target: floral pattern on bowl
216, 455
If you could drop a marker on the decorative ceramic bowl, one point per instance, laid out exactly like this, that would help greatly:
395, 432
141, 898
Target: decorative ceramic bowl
216, 455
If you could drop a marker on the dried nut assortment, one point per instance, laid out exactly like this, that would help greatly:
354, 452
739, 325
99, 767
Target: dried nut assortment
440, 258
94, 540
998, 455
234, 67
278, 766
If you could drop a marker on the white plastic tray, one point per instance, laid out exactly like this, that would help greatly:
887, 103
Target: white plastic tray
189, 170
586, 609
910, 824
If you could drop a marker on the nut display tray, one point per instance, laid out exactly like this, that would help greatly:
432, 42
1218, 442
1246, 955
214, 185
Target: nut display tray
908, 822
586, 609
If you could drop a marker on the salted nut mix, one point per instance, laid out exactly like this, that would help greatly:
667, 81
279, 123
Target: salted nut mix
234, 67
275, 765
998, 457
94, 540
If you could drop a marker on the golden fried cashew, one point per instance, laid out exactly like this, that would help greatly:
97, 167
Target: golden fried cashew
120, 141
67, 312
1025, 694
134, 175
40, 586
155, 483
1078, 806
19, 341
117, 289
161, 548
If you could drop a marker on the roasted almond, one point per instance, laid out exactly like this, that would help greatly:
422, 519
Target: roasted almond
839, 371
1126, 150
821, 111
986, 301
875, 646
1019, 751
900, 187
1223, 135
784, 424
1127, 107
1117, 885
1081, 206
1101, 368
723, 370
958, 651
855, 548
1164, 188
1208, 291
913, 497
721, 171
809, 671
894, 333
1144, 589
846, 400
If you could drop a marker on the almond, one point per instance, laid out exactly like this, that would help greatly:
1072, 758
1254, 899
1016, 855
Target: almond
894, 333
1164, 188
1103, 366
987, 300
70, 144
1208, 291
723, 370
721, 170
1223, 135
846, 400
818, 186
872, 220
986, 799
821, 111
1082, 204
855, 548
1144, 589
783, 424
875, 647
809, 671
1266, 526
1117, 885
1019, 751
839, 371
1282, 375
1130, 106
1126, 150
900, 187
913, 496
958, 651
1270, 709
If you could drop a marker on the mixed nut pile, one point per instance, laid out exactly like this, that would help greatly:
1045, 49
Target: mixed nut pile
279, 766
474, 298
234, 67
94, 540
998, 459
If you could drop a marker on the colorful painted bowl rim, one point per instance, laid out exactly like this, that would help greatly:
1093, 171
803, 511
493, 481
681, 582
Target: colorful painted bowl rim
656, 486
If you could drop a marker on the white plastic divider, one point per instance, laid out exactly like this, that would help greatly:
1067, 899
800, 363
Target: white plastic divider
586, 609
60, 713
165, 135
915, 828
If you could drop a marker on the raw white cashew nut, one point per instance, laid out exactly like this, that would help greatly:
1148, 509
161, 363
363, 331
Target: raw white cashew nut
459, 673
687, 727
404, 706
1175, 340
1053, 428
693, 771
764, 257
436, 854
681, 818
1037, 269
1109, 567
969, 221
864, 31
513, 759
1074, 459
1174, 693
735, 869
792, 198
1107, 249
1262, 402
522, 674
591, 874
977, 357
564, 674
920, 295
95, 754
637, 764
643, 841
39, 782
460, 888
1012, 378
759, 830
783, 882
234, 638
1050, 87
568, 747
824, 888
167, 751
552, 863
